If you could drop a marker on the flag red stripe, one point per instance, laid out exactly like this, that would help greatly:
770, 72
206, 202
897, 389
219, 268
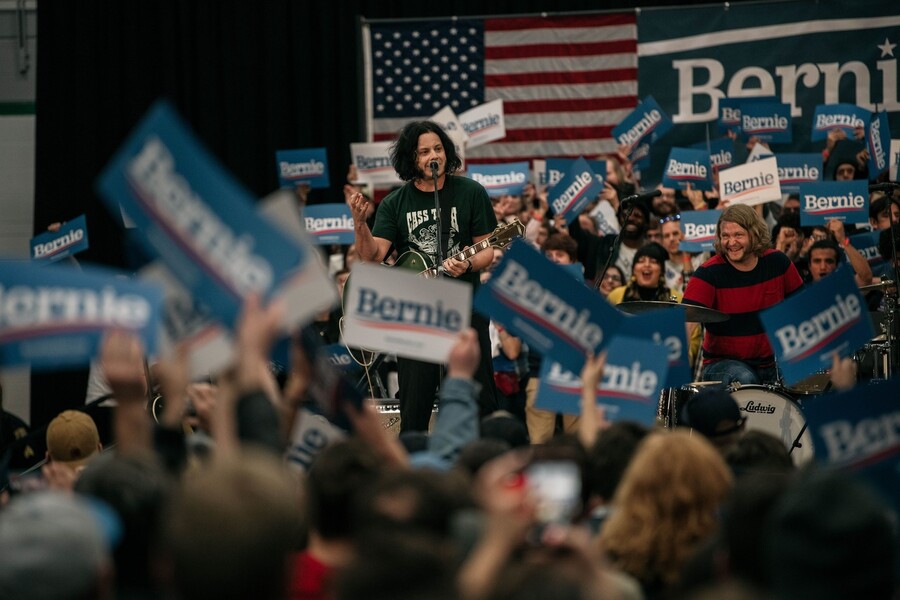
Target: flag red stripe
550, 78
517, 107
580, 21
573, 49
558, 133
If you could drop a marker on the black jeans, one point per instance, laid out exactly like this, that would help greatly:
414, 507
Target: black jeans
419, 383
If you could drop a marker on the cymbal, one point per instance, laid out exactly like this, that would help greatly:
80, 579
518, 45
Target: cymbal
877, 286
693, 313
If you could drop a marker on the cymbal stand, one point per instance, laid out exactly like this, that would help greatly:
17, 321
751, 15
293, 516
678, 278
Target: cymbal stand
890, 304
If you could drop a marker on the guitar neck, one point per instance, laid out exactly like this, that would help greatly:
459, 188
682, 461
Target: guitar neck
473, 250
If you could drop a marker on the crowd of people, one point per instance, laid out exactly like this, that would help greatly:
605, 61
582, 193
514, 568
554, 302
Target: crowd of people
494, 498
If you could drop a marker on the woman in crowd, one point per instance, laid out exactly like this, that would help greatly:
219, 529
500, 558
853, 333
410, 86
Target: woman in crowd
613, 278
648, 281
664, 508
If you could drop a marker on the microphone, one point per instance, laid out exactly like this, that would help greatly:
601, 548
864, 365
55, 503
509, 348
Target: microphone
434, 167
887, 186
641, 197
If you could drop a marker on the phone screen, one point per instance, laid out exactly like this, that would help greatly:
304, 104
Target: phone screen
556, 487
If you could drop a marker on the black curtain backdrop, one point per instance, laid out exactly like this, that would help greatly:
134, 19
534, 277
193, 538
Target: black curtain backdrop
249, 77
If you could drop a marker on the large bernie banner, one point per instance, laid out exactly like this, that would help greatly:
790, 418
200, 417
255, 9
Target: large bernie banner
696, 60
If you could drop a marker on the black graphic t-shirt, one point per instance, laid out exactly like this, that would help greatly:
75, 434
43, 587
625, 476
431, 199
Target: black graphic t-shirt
407, 218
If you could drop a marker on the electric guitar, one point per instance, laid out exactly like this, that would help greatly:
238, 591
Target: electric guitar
500, 238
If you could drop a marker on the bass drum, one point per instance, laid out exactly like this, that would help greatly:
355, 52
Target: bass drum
771, 410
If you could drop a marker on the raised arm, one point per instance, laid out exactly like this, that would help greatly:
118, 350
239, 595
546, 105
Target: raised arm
369, 247
857, 261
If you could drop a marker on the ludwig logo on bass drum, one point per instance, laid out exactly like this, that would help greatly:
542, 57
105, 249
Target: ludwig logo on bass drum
758, 408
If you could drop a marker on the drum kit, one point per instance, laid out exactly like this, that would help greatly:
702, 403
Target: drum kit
775, 408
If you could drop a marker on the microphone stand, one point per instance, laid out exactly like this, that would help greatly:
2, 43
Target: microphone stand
891, 303
614, 251
439, 250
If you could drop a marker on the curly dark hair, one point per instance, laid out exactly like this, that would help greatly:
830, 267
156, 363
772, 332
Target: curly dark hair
405, 147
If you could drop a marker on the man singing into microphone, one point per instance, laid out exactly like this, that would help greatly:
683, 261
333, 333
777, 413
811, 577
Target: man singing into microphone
407, 220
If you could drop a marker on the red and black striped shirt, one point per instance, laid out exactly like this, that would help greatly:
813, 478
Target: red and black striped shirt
741, 295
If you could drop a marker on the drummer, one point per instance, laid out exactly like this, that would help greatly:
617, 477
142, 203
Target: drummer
648, 283
744, 277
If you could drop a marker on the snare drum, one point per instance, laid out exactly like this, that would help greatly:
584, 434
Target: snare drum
772, 410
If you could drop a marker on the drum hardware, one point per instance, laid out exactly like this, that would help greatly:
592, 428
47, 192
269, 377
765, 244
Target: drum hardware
881, 348
692, 312
882, 285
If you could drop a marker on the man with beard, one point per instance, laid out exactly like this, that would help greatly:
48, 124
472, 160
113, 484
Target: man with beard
665, 204
743, 278
593, 251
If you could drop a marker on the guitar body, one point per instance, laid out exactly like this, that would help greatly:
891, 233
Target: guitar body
413, 260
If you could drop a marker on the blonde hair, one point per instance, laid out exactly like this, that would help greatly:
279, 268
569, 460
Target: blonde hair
746, 217
665, 506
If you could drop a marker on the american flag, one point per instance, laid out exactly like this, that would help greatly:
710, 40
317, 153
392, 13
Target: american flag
565, 81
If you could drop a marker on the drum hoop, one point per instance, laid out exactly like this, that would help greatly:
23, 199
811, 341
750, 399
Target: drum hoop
778, 390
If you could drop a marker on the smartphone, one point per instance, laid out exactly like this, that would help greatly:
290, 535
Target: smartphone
556, 487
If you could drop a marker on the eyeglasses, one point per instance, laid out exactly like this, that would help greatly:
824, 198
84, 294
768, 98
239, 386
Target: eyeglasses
613, 277
669, 219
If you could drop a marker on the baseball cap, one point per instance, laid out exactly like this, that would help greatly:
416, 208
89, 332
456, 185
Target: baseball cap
713, 412
72, 438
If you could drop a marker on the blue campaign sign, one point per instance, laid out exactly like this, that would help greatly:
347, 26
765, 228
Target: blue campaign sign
305, 165
721, 152
730, 112
329, 223
501, 179
55, 317
846, 117
537, 302
191, 213
640, 157
846, 201
768, 121
645, 124
338, 355
557, 168
855, 431
878, 136
795, 168
866, 243
826, 317
573, 192
70, 239
629, 391
576, 270
699, 229
665, 328
688, 166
